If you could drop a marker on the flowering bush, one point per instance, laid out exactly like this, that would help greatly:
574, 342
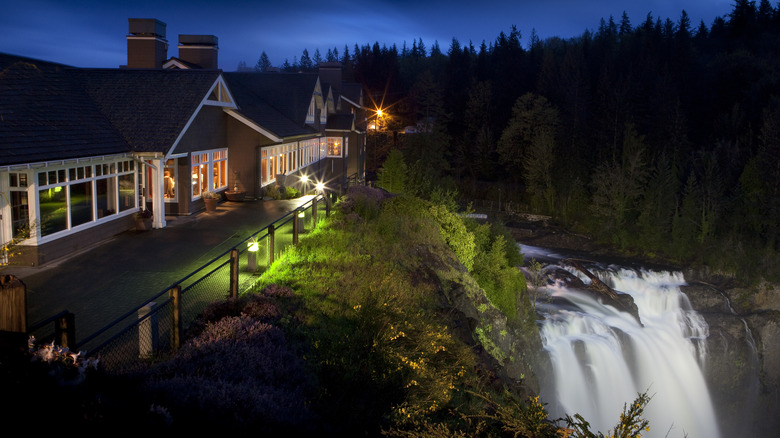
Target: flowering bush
66, 366
238, 373
208, 194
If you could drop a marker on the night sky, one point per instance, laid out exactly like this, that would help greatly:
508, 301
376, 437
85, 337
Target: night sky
91, 33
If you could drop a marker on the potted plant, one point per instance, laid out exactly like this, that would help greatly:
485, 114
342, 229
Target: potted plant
143, 219
210, 198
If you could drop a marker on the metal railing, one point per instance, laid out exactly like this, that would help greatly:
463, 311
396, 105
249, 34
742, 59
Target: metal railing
153, 330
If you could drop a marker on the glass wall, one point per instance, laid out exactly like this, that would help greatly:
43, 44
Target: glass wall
77, 195
289, 157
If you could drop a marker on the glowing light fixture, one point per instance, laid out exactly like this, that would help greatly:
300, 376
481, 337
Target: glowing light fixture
304, 179
320, 186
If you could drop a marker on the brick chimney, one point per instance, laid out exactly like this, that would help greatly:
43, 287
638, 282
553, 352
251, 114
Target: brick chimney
330, 72
146, 43
200, 50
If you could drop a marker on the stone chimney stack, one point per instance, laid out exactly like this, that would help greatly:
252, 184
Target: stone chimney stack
146, 43
200, 50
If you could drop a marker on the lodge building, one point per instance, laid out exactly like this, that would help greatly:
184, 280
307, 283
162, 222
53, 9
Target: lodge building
82, 150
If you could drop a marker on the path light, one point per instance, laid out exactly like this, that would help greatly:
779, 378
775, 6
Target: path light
252, 247
320, 187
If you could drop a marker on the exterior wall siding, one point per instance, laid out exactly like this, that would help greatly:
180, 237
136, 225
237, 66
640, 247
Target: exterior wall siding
66, 245
243, 155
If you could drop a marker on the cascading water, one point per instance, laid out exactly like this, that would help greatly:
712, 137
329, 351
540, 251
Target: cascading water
602, 357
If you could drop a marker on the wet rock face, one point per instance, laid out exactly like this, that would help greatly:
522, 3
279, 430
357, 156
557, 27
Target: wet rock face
743, 361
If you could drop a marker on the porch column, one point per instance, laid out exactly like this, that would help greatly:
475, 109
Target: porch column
158, 192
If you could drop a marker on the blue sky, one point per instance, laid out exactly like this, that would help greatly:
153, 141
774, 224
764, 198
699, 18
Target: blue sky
91, 33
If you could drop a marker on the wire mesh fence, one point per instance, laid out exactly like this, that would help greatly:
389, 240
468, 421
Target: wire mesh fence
152, 331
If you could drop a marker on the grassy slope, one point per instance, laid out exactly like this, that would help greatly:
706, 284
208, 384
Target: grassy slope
388, 310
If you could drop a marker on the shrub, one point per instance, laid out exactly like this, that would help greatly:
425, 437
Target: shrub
392, 175
291, 193
272, 191
455, 235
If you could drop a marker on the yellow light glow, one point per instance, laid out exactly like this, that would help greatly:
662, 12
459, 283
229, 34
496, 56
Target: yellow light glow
380, 113
304, 178
320, 187
253, 247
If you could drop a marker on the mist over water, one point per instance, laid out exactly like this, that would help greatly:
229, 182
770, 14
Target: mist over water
602, 357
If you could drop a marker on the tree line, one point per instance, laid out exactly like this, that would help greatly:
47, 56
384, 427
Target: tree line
659, 136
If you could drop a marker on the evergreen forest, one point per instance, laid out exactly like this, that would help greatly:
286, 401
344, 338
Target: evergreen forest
659, 136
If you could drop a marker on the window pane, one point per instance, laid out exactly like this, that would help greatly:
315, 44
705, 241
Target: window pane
20, 215
195, 178
80, 203
170, 184
203, 177
53, 210
126, 191
105, 196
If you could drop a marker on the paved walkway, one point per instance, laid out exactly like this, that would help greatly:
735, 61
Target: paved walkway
103, 282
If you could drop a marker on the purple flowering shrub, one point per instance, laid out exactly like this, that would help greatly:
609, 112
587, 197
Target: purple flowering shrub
237, 372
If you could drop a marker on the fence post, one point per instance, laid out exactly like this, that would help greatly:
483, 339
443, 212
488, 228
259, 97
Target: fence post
295, 227
270, 244
314, 213
13, 304
147, 332
176, 322
65, 330
327, 206
233, 273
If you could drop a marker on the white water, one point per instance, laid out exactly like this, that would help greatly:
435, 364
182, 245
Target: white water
602, 358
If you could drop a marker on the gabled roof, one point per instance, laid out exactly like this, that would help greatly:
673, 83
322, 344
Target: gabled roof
174, 62
340, 122
352, 93
150, 108
276, 101
46, 116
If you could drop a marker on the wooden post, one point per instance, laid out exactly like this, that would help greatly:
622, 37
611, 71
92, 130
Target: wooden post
147, 331
327, 206
314, 213
176, 322
13, 304
233, 273
65, 330
295, 227
270, 244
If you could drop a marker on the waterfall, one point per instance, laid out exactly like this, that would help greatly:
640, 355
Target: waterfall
602, 357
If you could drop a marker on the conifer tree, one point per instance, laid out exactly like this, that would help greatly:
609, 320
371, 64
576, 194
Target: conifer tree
263, 64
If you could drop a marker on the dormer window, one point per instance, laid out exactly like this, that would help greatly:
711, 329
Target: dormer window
310, 113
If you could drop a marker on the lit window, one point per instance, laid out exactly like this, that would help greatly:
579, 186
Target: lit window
334, 146
209, 171
74, 196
